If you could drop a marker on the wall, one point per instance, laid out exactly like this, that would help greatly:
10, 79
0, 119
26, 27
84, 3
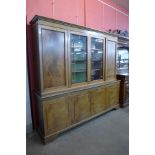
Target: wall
97, 14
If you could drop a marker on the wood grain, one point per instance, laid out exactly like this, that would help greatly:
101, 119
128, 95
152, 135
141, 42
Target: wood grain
57, 114
61, 104
53, 58
111, 60
82, 107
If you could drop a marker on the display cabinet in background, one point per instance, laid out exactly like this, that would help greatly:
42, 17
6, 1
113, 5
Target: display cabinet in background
75, 75
122, 69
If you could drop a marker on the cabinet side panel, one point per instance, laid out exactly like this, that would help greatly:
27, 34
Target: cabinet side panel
40, 116
36, 59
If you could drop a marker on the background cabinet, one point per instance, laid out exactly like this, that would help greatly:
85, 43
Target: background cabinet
122, 67
76, 74
124, 89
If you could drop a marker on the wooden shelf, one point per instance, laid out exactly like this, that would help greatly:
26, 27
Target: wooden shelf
95, 60
97, 69
97, 49
79, 71
79, 61
79, 47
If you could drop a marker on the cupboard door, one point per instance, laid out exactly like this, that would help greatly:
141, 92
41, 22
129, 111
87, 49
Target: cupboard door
57, 114
53, 53
113, 95
78, 50
98, 100
97, 58
82, 107
111, 60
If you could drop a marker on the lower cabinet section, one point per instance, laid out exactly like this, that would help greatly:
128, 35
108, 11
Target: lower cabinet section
63, 112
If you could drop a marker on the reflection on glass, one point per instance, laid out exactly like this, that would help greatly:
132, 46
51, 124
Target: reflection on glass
96, 59
122, 59
79, 58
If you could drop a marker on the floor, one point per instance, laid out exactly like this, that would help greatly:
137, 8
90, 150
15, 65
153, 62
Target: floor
105, 135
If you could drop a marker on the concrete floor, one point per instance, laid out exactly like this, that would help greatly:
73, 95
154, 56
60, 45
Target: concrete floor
105, 135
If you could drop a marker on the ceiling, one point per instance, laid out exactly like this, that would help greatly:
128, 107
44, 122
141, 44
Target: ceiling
122, 3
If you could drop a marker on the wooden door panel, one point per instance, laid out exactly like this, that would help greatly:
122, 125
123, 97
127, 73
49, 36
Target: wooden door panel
54, 74
57, 115
112, 95
82, 107
111, 60
98, 100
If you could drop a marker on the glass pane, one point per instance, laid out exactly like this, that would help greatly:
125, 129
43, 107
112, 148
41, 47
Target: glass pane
96, 59
79, 58
122, 60
54, 74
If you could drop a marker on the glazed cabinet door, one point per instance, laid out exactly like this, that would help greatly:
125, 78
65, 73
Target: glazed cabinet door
78, 58
53, 57
111, 59
97, 58
56, 115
